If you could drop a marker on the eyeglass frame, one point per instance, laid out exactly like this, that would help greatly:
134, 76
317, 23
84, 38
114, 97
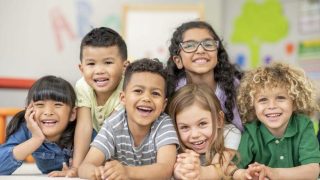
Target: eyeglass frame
199, 43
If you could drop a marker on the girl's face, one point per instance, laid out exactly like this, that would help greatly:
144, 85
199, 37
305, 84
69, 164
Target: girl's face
201, 61
52, 117
274, 108
194, 126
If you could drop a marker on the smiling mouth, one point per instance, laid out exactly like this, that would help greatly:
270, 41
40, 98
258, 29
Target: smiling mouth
101, 82
49, 122
273, 115
200, 61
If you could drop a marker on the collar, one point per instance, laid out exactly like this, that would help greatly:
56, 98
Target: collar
290, 131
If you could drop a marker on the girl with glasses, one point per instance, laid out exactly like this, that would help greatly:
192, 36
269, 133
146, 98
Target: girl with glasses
197, 56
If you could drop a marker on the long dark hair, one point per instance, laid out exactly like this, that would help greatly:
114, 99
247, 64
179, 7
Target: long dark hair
224, 72
49, 88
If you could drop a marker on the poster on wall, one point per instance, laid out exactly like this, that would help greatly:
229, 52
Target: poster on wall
147, 29
260, 32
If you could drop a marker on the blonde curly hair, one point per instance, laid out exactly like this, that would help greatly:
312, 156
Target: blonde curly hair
299, 87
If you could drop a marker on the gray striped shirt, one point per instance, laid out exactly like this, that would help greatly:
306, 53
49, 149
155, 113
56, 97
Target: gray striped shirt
115, 140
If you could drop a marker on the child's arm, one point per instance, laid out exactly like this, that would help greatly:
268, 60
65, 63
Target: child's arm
307, 171
162, 169
21, 151
90, 168
82, 137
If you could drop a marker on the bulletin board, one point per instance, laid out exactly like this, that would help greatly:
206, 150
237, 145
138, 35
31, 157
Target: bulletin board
260, 32
147, 29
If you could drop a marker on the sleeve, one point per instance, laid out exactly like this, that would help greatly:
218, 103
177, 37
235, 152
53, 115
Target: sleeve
8, 164
245, 150
232, 137
83, 93
104, 141
309, 146
166, 133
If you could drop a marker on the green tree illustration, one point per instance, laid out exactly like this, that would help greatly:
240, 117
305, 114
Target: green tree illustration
259, 22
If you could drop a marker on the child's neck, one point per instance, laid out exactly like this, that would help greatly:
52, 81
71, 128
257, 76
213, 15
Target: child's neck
207, 79
138, 133
102, 98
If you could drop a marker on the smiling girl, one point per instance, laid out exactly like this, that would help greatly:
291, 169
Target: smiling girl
44, 129
199, 121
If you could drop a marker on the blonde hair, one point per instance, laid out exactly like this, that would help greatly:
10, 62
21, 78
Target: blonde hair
299, 87
203, 96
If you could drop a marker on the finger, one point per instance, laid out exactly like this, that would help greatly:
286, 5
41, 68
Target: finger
64, 166
56, 174
97, 172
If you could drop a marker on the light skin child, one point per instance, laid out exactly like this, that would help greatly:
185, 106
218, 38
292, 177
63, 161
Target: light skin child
277, 92
144, 100
199, 129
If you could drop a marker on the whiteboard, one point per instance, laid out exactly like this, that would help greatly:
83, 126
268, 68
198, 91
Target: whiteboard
147, 29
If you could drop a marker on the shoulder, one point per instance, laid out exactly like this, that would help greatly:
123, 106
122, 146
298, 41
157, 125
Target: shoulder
116, 120
81, 83
301, 121
231, 128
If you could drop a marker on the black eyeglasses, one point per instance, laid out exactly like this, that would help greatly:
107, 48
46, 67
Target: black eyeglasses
192, 46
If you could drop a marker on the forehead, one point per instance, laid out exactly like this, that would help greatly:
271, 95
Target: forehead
196, 34
270, 90
101, 51
147, 79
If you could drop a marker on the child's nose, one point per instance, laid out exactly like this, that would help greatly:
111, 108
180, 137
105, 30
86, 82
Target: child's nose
146, 97
194, 133
48, 111
272, 104
100, 69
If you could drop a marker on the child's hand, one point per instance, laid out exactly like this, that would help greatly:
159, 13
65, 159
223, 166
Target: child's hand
113, 170
188, 165
256, 171
66, 172
32, 124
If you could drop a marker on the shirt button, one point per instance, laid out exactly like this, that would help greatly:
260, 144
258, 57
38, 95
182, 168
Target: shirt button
277, 141
281, 157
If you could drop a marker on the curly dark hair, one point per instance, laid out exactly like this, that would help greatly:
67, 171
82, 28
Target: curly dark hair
49, 88
144, 65
224, 72
104, 37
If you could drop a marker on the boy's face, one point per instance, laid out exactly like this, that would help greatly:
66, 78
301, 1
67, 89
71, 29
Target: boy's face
144, 99
102, 68
274, 108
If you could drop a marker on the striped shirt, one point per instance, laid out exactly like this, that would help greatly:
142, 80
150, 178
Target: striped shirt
116, 142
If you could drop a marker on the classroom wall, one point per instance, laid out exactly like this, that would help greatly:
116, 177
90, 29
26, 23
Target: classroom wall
39, 37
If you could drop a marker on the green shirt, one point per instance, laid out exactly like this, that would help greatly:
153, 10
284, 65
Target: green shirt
298, 146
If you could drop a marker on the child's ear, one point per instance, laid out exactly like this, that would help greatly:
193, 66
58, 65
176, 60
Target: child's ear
80, 68
122, 98
177, 60
73, 114
125, 65
164, 104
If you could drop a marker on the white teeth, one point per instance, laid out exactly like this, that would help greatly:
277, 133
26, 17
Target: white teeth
145, 108
198, 143
273, 115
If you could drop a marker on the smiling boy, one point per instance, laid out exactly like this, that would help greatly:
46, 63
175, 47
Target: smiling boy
137, 139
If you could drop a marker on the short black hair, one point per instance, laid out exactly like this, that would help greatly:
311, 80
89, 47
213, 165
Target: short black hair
145, 65
104, 37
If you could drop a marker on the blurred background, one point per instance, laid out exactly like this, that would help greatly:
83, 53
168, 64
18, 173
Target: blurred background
39, 37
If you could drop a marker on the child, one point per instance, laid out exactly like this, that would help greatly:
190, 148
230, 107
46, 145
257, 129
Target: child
138, 142
45, 129
199, 121
197, 56
103, 55
276, 101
